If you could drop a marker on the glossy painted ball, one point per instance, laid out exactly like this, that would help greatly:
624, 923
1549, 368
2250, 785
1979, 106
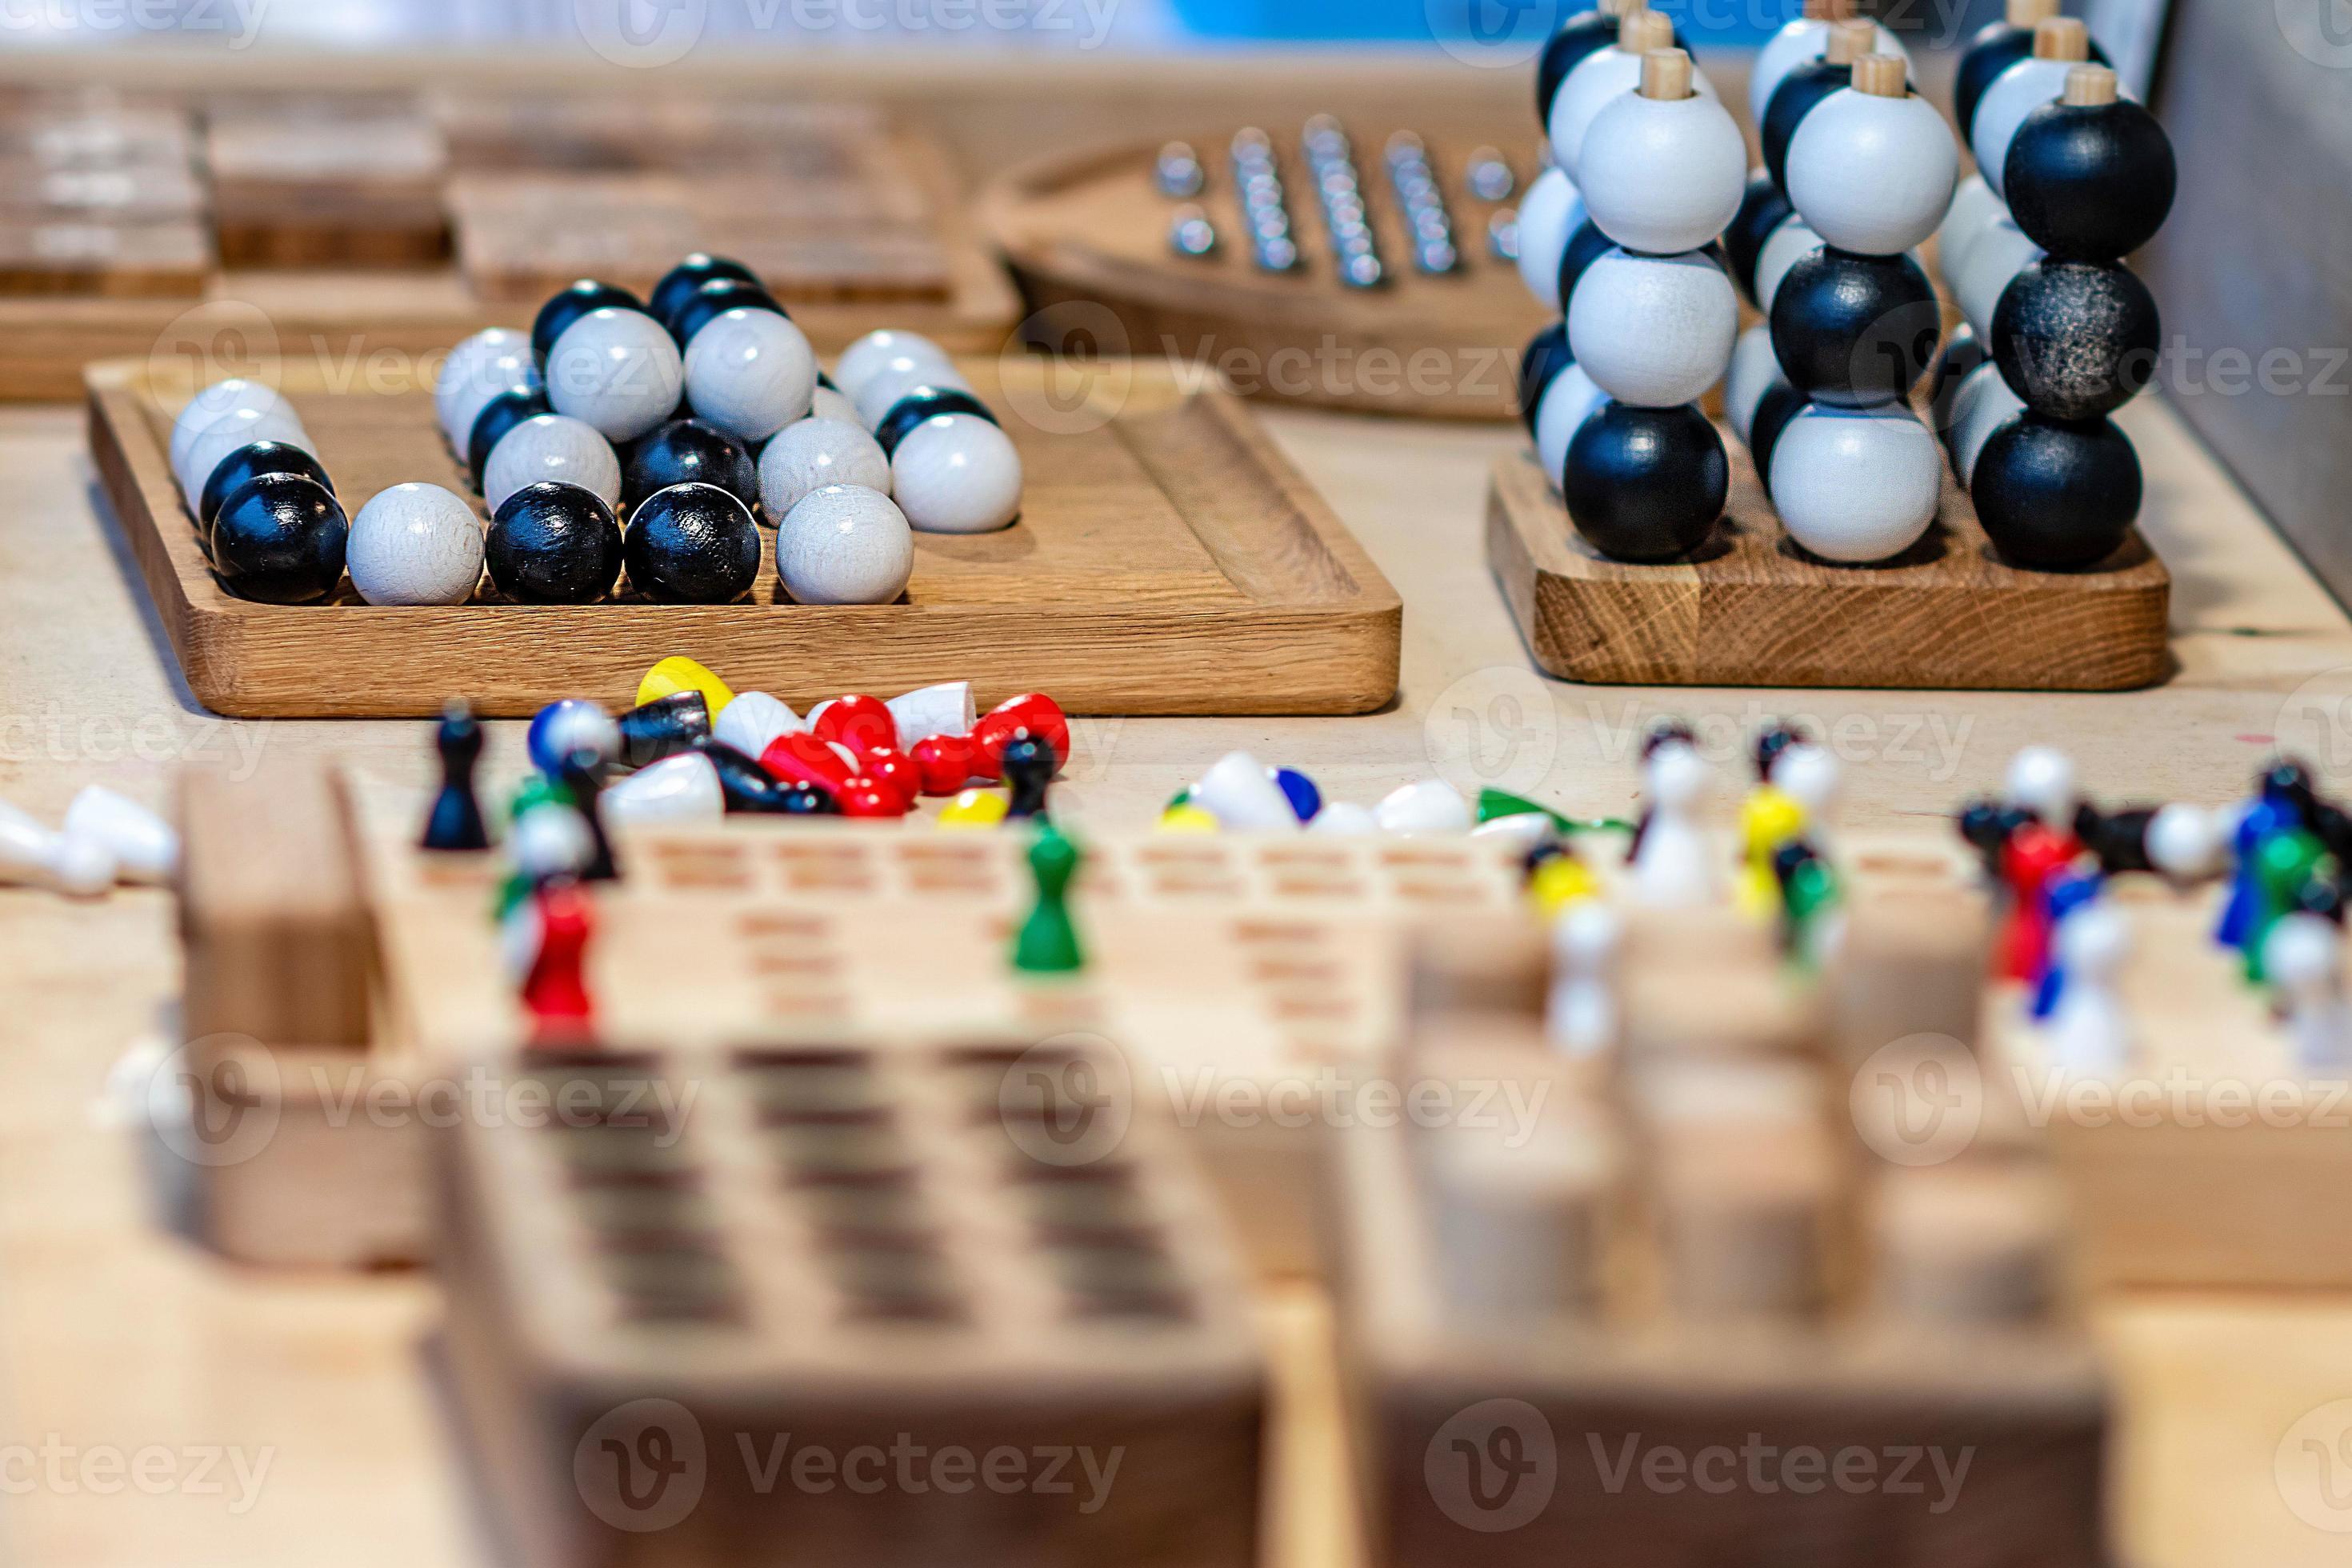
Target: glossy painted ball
1646, 484
685, 452
488, 363
680, 281
617, 371
692, 543
902, 378
1550, 210
218, 401
554, 544
750, 373
1789, 243
880, 349
233, 432
280, 539
2090, 182
2056, 496
829, 403
2074, 339
1780, 404
550, 446
500, 419
251, 462
415, 544
813, 453
844, 544
1874, 175
956, 473
714, 300
568, 304
1654, 331
1993, 50
1663, 175
1853, 485
1855, 331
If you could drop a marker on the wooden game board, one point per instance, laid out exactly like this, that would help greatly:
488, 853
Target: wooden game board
1749, 609
1088, 232
1168, 560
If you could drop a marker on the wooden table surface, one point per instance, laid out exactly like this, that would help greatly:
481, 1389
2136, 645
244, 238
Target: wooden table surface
136, 1373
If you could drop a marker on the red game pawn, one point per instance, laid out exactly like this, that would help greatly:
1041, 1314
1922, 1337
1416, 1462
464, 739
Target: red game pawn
945, 762
1032, 711
859, 722
555, 991
2034, 855
800, 757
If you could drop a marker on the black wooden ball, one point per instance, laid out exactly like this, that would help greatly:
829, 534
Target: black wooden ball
1646, 484
688, 274
2090, 182
2053, 495
714, 299
1855, 332
922, 402
683, 452
553, 543
1791, 101
279, 537
1546, 356
1992, 51
693, 543
1964, 354
1779, 404
2074, 339
499, 415
1585, 247
571, 302
252, 462
1762, 209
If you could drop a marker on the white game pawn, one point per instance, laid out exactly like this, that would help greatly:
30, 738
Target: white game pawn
2041, 780
1800, 42
1239, 791
1664, 166
946, 708
415, 544
1561, 413
1654, 332
1580, 1012
477, 370
861, 360
1856, 484
548, 840
1808, 774
750, 373
957, 473
1345, 819
218, 401
2187, 843
1981, 406
1999, 253
830, 402
1873, 167
1425, 806
142, 846
1601, 77
2302, 957
618, 370
1552, 210
1674, 869
2060, 44
844, 544
81, 867
1790, 241
233, 432
2089, 1031
683, 788
812, 453
1755, 371
1974, 210
752, 721
550, 446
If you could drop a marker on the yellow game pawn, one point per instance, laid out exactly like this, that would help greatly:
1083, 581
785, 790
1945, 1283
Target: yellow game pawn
676, 674
1560, 881
1189, 818
975, 808
1768, 818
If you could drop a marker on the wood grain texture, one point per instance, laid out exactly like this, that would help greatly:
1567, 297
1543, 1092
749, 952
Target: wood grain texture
1750, 611
1091, 229
1104, 592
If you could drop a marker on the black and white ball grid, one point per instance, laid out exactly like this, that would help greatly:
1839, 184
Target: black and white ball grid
619, 435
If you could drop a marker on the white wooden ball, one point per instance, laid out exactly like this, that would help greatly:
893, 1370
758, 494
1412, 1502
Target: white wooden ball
956, 473
1982, 404
618, 370
869, 353
1755, 371
477, 370
2014, 94
415, 544
1550, 213
907, 373
1654, 331
829, 403
1663, 175
844, 544
218, 401
552, 446
1791, 240
813, 453
1599, 79
1561, 413
1999, 254
231, 431
1855, 484
750, 373
1974, 210
1872, 175
1804, 40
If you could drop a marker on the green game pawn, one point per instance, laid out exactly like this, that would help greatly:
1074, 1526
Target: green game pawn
1048, 944
2285, 863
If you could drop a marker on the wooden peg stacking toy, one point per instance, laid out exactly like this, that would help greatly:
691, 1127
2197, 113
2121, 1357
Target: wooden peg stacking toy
1805, 88
1804, 40
1599, 80
1584, 33
1993, 50
2060, 44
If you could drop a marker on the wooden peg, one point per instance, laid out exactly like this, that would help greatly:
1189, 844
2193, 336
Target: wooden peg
2062, 38
1828, 10
1848, 42
2031, 14
1622, 8
1880, 76
1639, 32
2090, 86
1666, 74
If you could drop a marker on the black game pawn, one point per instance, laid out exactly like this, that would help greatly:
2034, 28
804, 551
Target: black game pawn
1028, 764
1986, 826
581, 774
456, 820
664, 728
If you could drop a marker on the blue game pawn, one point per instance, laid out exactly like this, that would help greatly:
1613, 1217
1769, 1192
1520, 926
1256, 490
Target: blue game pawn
2064, 895
571, 725
2283, 805
455, 821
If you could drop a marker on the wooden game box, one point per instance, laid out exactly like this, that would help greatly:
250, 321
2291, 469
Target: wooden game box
1167, 559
